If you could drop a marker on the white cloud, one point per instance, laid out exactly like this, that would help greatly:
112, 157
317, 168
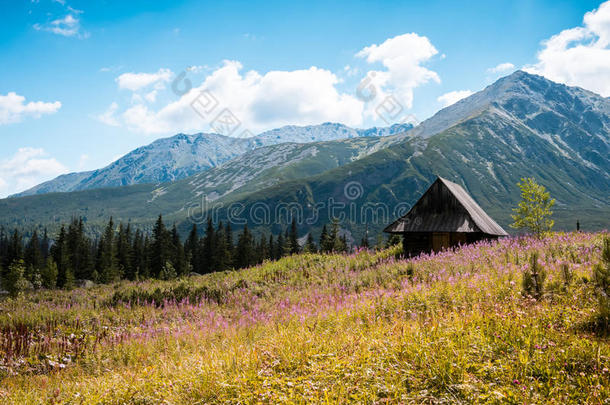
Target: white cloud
67, 26
265, 100
403, 57
109, 117
27, 168
579, 56
13, 108
137, 81
453, 97
258, 101
501, 68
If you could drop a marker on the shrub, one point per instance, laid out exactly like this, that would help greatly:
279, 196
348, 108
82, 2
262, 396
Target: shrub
601, 278
14, 281
533, 278
49, 274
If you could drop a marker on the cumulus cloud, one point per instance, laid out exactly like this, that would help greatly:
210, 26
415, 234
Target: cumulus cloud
67, 26
255, 100
26, 168
138, 81
13, 108
501, 68
579, 56
453, 97
403, 58
109, 117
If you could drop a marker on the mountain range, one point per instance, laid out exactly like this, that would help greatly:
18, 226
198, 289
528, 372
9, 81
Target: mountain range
180, 156
522, 125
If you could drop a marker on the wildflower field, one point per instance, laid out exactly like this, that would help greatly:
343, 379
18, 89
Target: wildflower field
455, 327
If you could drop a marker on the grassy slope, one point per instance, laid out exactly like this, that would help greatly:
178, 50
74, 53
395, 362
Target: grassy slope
450, 327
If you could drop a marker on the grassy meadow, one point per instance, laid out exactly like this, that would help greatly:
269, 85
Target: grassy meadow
453, 327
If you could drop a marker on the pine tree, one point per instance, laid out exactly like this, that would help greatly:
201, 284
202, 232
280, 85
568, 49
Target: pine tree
245, 251
124, 251
229, 244
310, 245
294, 238
49, 274
146, 270
33, 254
60, 255
80, 260
271, 253
279, 247
15, 248
209, 248
364, 243
222, 253
262, 249
178, 259
45, 245
138, 257
325, 242
108, 267
160, 248
191, 250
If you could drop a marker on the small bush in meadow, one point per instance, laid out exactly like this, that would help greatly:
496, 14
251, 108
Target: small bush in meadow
601, 276
14, 281
534, 278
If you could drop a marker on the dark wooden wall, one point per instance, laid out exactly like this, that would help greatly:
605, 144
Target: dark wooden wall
414, 243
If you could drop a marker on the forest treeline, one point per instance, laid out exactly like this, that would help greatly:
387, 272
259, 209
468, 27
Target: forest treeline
121, 252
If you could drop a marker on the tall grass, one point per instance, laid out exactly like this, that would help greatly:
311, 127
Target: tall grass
450, 327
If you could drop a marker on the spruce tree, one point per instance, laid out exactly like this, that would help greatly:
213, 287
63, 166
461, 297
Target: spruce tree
325, 243
222, 253
45, 245
60, 255
209, 248
108, 267
160, 248
124, 249
33, 254
178, 259
294, 238
310, 245
244, 251
49, 274
271, 253
191, 250
137, 254
280, 247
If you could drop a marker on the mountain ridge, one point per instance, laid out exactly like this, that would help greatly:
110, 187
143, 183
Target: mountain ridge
179, 156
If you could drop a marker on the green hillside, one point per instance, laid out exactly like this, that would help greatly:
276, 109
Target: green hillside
455, 327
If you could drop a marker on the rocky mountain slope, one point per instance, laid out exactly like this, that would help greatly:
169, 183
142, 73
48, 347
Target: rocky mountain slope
180, 156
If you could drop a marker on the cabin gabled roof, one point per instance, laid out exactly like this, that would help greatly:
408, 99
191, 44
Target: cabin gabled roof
446, 207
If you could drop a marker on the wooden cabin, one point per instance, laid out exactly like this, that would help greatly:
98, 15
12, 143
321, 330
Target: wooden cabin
444, 216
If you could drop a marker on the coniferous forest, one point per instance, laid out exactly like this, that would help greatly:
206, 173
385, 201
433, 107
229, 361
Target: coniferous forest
72, 258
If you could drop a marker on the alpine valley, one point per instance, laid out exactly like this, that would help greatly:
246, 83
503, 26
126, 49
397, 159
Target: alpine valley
523, 125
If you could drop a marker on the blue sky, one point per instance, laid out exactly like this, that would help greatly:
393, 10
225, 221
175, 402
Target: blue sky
82, 83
